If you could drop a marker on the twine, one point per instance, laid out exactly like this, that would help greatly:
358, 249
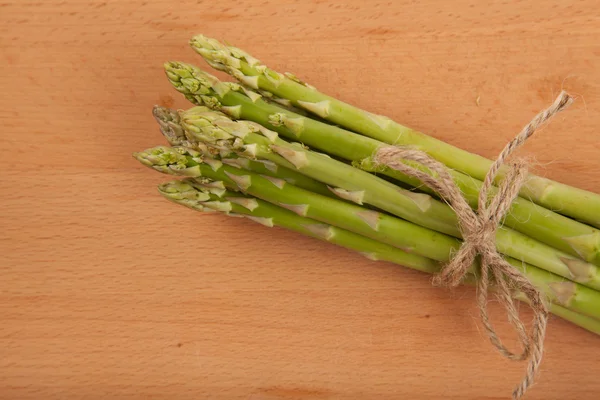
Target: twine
478, 229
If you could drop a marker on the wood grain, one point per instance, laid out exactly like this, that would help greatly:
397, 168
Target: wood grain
108, 291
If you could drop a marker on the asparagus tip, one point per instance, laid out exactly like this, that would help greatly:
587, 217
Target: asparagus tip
173, 188
142, 158
203, 42
182, 192
170, 126
191, 80
224, 57
180, 161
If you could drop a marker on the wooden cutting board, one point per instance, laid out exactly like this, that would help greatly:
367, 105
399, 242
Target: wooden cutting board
109, 291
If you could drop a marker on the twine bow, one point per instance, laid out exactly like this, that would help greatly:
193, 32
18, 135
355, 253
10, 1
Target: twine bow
478, 229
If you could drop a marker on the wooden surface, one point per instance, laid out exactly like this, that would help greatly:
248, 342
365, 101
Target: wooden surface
108, 291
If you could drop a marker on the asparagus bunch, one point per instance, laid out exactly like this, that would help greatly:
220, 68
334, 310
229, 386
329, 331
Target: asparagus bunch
207, 195
216, 129
239, 102
573, 202
169, 160
186, 162
232, 157
233, 160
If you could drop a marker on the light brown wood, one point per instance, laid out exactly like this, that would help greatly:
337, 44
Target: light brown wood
108, 291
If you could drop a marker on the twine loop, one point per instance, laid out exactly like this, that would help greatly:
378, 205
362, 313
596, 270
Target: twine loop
478, 229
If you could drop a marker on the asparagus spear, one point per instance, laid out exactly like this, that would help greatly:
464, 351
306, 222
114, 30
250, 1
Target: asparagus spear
204, 125
186, 162
209, 195
199, 196
549, 227
571, 201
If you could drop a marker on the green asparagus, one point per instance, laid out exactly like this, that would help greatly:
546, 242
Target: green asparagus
209, 195
208, 126
199, 196
238, 102
579, 204
189, 163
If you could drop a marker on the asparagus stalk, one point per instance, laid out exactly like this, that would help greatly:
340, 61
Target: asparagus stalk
170, 126
549, 227
187, 162
199, 196
579, 204
210, 196
208, 126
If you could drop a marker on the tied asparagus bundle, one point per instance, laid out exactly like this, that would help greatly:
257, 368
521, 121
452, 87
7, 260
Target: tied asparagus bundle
206, 126
186, 162
275, 150
207, 195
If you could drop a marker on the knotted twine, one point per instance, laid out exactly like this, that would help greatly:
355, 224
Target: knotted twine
478, 229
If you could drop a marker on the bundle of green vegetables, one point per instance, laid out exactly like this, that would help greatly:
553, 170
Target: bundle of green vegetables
278, 151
